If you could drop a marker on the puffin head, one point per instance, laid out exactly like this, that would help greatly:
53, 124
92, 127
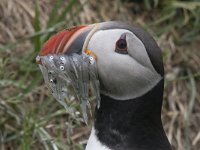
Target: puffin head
129, 62
126, 68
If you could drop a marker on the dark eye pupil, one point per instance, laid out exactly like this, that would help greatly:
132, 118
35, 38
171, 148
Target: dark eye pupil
121, 44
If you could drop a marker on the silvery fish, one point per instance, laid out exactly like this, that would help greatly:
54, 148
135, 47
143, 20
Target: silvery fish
79, 71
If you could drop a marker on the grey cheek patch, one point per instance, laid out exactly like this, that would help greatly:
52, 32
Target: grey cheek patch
61, 72
123, 77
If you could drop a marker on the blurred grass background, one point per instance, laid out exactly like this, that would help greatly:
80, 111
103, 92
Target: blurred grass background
30, 119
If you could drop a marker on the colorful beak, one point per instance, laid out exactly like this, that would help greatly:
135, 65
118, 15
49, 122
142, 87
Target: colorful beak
66, 41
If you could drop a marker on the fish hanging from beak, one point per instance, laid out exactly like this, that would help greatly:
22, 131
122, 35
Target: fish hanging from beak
77, 70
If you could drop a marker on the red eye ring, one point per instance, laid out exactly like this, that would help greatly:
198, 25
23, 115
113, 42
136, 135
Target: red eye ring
121, 45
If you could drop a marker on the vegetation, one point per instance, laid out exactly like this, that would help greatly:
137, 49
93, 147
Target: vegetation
31, 119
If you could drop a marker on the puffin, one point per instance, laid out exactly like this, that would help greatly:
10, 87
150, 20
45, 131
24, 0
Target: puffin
131, 77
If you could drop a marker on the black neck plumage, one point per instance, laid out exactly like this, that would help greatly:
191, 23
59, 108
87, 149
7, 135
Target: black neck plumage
132, 124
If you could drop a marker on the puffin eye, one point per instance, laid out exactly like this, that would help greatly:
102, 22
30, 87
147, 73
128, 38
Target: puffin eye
121, 45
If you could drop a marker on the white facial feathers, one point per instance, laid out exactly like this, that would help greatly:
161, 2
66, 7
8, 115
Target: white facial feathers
123, 76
